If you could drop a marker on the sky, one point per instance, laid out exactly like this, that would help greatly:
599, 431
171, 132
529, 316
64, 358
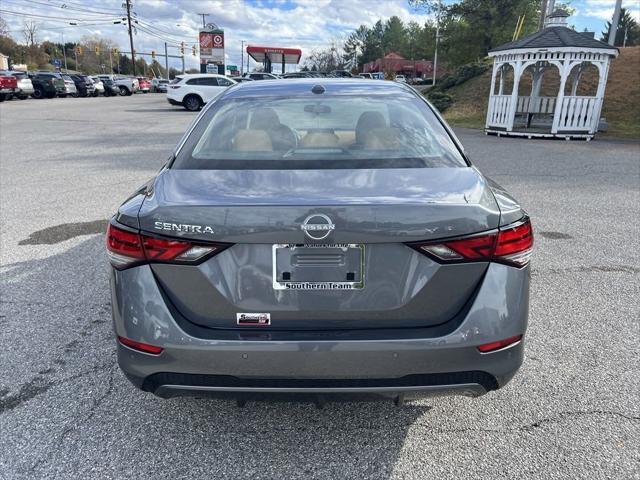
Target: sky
305, 24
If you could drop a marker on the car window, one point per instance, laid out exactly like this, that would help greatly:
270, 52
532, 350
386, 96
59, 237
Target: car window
176, 80
332, 131
209, 81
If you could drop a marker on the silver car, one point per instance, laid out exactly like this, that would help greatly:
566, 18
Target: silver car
25, 86
320, 236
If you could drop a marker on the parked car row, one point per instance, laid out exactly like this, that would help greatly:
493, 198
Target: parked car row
45, 84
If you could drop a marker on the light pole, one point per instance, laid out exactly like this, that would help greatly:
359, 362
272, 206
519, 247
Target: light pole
242, 58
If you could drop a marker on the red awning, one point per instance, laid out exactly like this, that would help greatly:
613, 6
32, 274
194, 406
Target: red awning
275, 54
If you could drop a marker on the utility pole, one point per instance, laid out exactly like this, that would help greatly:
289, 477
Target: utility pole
166, 59
435, 53
614, 23
133, 53
64, 53
204, 15
110, 61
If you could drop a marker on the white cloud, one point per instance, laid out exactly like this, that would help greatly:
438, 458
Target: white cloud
603, 9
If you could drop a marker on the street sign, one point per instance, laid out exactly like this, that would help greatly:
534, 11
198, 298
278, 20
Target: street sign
212, 68
57, 63
232, 67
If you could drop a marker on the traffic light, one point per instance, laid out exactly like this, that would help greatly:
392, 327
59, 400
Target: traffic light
116, 51
78, 50
153, 55
182, 48
97, 50
193, 50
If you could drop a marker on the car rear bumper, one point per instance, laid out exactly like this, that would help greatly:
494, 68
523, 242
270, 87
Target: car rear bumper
388, 362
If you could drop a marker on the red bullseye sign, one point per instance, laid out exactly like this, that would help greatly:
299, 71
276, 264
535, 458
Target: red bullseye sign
218, 41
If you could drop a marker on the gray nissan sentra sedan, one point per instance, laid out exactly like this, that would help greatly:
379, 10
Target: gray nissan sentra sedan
320, 236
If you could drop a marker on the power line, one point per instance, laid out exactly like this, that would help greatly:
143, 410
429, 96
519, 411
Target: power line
67, 7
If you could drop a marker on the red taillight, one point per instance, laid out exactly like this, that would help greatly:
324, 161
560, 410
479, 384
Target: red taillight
163, 249
515, 244
512, 245
126, 249
123, 248
499, 345
142, 347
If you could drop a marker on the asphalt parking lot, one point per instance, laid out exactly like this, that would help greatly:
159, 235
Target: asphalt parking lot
66, 411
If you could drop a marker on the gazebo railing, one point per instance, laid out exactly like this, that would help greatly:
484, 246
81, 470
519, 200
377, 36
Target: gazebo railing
577, 113
540, 105
498, 110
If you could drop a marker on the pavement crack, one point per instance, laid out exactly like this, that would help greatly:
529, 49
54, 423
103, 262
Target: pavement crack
560, 417
95, 405
588, 269
39, 385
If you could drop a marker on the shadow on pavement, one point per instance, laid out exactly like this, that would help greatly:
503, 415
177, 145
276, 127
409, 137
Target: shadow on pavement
82, 413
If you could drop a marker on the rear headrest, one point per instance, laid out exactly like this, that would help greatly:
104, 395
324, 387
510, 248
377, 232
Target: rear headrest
264, 119
368, 121
320, 139
387, 138
252, 141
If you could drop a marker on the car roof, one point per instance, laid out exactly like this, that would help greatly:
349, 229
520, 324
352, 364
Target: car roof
303, 86
196, 75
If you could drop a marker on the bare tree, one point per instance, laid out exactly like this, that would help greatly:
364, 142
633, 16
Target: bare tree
29, 31
4, 28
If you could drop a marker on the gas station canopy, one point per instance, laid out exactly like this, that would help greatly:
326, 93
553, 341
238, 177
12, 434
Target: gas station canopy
274, 54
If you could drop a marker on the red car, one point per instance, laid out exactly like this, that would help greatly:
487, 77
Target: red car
145, 85
8, 85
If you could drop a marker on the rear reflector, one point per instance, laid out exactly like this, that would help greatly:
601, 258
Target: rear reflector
511, 245
126, 249
499, 345
142, 347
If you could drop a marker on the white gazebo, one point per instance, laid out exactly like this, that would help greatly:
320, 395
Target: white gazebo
567, 114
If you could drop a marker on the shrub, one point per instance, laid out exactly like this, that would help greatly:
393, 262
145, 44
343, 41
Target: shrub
440, 100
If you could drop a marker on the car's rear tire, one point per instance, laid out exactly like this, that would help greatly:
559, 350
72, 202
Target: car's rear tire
96, 93
37, 93
23, 97
124, 91
2, 97
193, 103
50, 95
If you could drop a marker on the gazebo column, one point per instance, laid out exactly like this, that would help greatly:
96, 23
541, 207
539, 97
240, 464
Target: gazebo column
513, 102
557, 114
603, 73
491, 95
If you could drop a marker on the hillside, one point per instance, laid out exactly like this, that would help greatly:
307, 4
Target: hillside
621, 103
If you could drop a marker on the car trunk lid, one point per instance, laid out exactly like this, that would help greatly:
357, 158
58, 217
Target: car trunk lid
373, 214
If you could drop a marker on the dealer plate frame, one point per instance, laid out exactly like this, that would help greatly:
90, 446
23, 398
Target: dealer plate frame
317, 286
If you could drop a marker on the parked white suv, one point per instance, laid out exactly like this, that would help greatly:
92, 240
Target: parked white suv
193, 91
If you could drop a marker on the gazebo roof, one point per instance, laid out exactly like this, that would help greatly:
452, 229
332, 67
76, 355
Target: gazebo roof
556, 36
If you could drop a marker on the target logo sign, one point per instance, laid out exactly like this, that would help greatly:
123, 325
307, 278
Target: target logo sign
218, 41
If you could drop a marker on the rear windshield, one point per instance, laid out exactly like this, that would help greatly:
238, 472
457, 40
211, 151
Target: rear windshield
320, 132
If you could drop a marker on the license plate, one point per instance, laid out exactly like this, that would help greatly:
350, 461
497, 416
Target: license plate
337, 266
